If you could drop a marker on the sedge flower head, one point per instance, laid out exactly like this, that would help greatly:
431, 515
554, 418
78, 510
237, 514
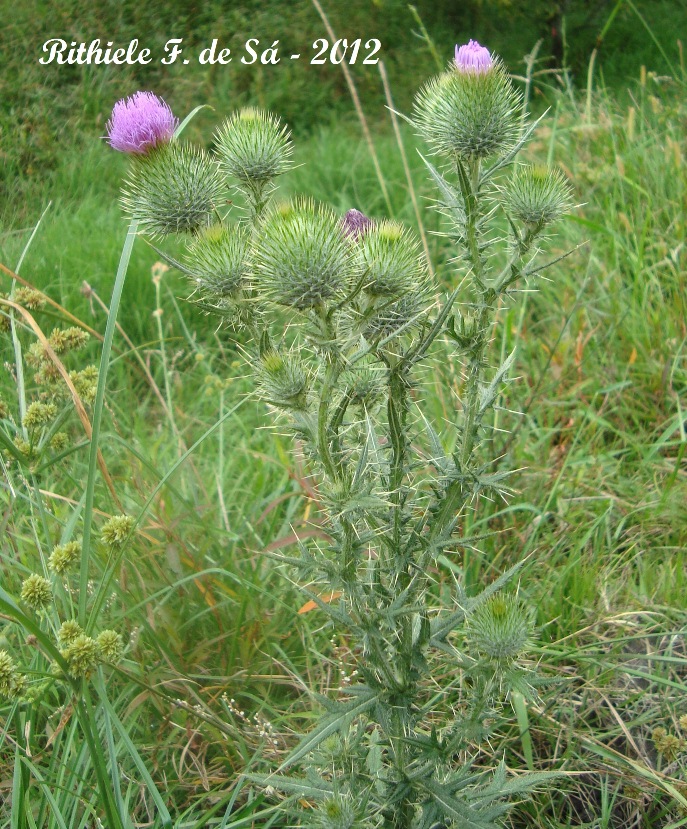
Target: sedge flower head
82, 655
110, 646
473, 58
69, 632
36, 592
115, 531
139, 123
8, 674
64, 556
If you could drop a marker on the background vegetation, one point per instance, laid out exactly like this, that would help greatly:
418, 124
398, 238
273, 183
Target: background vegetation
600, 443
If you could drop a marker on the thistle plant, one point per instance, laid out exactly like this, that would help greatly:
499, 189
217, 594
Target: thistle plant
337, 315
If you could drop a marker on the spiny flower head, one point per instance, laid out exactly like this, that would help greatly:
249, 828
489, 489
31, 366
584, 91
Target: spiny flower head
469, 112
59, 441
667, 744
336, 813
217, 259
110, 646
253, 146
301, 257
390, 260
537, 195
363, 384
173, 189
392, 317
69, 632
500, 628
75, 338
473, 58
355, 224
283, 379
36, 591
63, 556
116, 530
139, 123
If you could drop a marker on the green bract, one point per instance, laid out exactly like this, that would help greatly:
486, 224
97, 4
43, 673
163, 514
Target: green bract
301, 257
175, 188
469, 114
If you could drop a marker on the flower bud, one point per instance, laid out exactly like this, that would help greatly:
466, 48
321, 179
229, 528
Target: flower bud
283, 380
470, 111
217, 259
336, 813
500, 628
173, 189
537, 196
355, 224
363, 385
301, 257
395, 318
253, 147
391, 260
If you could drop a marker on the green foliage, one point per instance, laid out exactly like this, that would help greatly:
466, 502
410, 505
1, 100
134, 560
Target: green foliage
600, 506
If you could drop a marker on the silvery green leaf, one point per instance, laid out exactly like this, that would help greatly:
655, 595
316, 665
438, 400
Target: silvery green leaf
312, 786
489, 393
330, 724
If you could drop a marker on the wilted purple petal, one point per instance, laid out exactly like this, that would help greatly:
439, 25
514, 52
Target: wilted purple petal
355, 223
473, 58
139, 123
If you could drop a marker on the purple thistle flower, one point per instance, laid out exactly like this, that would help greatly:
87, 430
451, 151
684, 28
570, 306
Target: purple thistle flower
473, 58
355, 224
139, 123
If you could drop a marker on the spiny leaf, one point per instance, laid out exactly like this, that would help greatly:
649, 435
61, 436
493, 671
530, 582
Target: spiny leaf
489, 393
329, 725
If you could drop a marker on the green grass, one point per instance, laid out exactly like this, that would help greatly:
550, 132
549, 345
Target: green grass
601, 505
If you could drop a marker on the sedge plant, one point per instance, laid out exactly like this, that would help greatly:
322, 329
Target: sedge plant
336, 317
